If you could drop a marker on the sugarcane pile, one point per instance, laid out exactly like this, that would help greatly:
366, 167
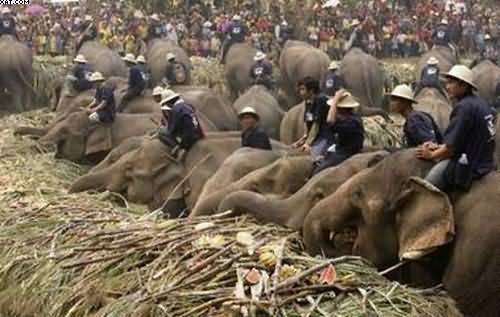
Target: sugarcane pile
402, 73
210, 73
381, 133
47, 70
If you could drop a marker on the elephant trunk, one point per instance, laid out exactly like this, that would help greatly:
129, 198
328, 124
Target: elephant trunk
32, 131
208, 206
95, 181
286, 212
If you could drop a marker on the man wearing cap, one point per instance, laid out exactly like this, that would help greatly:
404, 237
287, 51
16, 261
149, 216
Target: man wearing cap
156, 29
236, 33
333, 81
136, 81
441, 35
469, 141
102, 108
261, 71
419, 126
253, 135
7, 23
429, 77
489, 51
317, 137
157, 94
79, 78
283, 33
146, 75
183, 129
88, 32
170, 77
356, 38
347, 129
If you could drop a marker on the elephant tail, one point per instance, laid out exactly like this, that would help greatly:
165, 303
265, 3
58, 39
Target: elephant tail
263, 208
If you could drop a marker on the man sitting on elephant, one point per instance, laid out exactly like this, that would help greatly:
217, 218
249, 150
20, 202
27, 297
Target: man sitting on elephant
419, 126
430, 77
181, 127
333, 80
156, 29
317, 137
102, 108
488, 52
261, 72
253, 136
347, 129
79, 78
8, 23
170, 77
88, 32
137, 79
467, 152
236, 33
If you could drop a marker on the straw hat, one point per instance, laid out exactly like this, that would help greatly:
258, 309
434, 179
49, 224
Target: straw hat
236, 17
155, 17
248, 110
333, 65
444, 21
157, 91
355, 22
170, 56
207, 24
167, 96
80, 59
129, 58
141, 59
432, 61
462, 73
259, 56
97, 76
348, 101
404, 92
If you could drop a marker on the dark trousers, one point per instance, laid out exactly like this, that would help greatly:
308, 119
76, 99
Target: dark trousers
330, 160
131, 93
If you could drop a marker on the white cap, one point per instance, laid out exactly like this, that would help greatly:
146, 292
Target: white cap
444, 21
462, 73
236, 17
80, 59
97, 76
487, 37
333, 65
88, 18
170, 56
129, 58
207, 24
403, 91
141, 59
284, 23
259, 56
157, 91
155, 17
248, 110
5, 10
355, 22
432, 61
167, 96
348, 101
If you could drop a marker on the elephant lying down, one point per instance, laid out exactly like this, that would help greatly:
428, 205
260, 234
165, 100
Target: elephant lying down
296, 197
150, 175
394, 217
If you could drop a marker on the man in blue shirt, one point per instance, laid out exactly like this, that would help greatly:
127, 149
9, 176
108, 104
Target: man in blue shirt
155, 29
429, 77
253, 135
261, 71
419, 126
137, 78
7, 23
235, 34
467, 152
183, 127
79, 78
170, 77
441, 35
102, 108
333, 80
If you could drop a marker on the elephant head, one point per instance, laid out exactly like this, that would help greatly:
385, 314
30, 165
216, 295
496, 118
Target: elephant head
367, 207
69, 135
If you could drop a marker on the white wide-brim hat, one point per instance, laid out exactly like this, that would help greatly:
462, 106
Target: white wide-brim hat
141, 59
80, 59
432, 61
129, 58
97, 76
462, 73
404, 92
348, 101
248, 110
333, 65
167, 96
157, 91
259, 56
170, 56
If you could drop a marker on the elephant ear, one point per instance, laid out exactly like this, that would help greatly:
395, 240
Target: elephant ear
424, 219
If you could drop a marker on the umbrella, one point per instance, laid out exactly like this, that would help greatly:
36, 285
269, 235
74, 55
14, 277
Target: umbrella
35, 10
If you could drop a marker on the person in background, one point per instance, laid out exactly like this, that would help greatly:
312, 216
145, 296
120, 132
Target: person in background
236, 33
333, 80
429, 77
253, 135
419, 126
102, 108
136, 81
170, 77
441, 35
141, 63
7, 23
88, 32
156, 29
261, 71
467, 152
79, 78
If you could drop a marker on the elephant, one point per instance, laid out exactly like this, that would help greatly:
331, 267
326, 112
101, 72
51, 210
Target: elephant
239, 60
430, 100
444, 55
150, 175
487, 80
270, 113
103, 59
78, 141
156, 58
271, 172
297, 61
393, 215
16, 74
364, 77
290, 211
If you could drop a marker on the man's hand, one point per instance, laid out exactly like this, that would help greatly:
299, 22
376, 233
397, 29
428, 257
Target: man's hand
425, 151
305, 148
